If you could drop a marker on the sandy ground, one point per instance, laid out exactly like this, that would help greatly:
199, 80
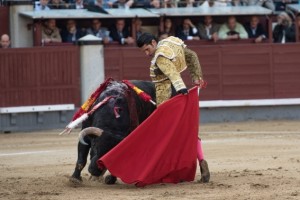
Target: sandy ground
253, 160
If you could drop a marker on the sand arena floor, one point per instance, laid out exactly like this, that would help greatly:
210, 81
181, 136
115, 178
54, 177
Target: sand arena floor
253, 160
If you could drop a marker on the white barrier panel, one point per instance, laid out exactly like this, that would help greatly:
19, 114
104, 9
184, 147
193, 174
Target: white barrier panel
44, 108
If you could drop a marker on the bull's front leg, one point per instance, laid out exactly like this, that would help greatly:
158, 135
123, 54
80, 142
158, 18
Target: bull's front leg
100, 147
82, 154
96, 172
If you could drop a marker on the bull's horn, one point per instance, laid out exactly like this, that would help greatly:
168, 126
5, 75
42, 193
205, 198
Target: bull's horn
89, 131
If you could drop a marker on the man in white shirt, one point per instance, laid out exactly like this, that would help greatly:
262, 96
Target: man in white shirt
208, 30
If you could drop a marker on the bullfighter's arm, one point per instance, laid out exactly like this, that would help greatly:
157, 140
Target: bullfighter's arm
168, 68
193, 65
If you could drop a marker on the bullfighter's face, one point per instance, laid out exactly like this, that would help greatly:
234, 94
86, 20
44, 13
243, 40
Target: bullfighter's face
149, 49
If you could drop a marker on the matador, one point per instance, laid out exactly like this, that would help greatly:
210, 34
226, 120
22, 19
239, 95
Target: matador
170, 57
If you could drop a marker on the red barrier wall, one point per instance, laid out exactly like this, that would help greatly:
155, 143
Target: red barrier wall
233, 71
39, 76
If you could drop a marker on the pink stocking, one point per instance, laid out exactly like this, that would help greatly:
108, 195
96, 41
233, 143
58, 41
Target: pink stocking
200, 155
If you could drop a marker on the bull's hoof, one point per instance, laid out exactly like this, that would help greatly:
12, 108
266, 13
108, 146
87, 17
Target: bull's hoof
110, 180
205, 174
94, 178
75, 180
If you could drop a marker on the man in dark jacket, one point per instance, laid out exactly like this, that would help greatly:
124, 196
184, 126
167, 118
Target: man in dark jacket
120, 33
255, 30
285, 30
71, 33
187, 31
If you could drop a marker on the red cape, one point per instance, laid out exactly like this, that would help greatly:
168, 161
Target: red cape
163, 149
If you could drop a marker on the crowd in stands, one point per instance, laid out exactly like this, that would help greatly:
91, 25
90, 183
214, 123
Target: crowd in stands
283, 32
274, 5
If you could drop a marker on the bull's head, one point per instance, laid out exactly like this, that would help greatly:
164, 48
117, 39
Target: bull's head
112, 117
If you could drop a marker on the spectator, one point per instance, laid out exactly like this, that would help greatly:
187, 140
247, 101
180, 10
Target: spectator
57, 4
99, 31
284, 31
4, 41
138, 27
169, 3
165, 28
50, 33
155, 4
255, 29
120, 33
42, 5
208, 30
232, 30
71, 33
266, 3
187, 31
77, 4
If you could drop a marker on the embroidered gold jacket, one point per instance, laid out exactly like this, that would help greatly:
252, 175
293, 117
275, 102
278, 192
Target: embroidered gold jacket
170, 59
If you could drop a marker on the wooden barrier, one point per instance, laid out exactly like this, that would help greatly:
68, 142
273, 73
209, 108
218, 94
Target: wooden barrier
4, 19
236, 71
39, 76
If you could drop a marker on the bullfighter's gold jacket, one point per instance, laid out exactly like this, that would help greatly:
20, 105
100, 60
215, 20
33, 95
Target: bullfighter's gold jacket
170, 59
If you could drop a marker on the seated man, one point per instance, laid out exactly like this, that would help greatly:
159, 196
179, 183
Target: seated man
71, 33
4, 41
42, 5
208, 29
187, 31
50, 33
99, 31
232, 30
120, 33
284, 31
255, 29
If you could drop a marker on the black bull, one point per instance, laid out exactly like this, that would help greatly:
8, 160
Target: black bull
114, 121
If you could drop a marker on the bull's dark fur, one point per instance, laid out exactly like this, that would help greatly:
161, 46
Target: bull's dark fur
115, 129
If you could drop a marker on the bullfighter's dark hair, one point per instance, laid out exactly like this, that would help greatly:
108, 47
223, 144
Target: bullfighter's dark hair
145, 38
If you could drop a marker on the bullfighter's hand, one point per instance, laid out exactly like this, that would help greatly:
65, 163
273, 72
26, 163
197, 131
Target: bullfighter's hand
183, 91
200, 83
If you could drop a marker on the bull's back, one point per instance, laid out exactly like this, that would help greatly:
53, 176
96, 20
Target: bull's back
144, 109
